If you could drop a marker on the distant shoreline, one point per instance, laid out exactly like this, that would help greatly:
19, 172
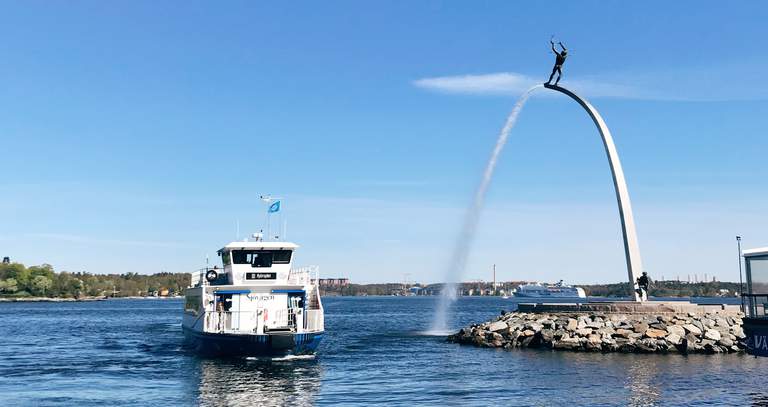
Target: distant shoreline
84, 299
50, 299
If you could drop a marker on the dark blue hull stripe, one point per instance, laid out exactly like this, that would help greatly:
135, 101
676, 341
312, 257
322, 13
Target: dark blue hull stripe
253, 345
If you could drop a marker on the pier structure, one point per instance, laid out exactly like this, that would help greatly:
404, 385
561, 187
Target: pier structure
628, 231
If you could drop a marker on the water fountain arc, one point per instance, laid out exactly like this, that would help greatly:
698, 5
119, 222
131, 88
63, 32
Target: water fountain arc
628, 231
464, 243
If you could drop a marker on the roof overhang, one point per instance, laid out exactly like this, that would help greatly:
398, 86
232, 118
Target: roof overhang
260, 245
761, 251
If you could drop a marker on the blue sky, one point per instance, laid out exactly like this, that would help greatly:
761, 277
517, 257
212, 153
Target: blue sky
135, 135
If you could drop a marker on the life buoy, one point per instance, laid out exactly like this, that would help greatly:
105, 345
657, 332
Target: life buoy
211, 275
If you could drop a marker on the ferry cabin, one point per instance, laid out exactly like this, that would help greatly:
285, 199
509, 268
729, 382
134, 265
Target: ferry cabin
755, 301
256, 303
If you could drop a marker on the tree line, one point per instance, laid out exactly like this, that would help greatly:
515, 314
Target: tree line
16, 280
667, 288
657, 289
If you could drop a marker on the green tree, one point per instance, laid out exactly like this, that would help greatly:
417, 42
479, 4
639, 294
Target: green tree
40, 284
45, 270
8, 286
17, 272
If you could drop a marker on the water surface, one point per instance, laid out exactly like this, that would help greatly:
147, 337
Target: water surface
129, 352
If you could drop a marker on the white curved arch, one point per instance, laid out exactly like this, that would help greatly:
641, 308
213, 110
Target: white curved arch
631, 247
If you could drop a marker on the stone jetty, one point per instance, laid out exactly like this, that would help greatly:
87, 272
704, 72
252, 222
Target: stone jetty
609, 332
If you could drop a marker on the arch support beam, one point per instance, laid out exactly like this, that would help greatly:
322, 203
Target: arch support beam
631, 247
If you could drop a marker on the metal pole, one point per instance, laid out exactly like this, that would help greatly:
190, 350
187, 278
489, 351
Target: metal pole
741, 281
494, 280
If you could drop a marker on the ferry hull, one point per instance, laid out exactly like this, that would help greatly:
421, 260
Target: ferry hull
756, 330
277, 344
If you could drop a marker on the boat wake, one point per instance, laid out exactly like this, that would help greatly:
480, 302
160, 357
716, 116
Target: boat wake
286, 358
435, 332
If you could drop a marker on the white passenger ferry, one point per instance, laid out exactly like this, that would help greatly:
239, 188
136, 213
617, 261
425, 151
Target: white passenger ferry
558, 290
257, 304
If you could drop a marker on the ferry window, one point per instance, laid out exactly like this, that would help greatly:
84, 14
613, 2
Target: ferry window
226, 258
192, 304
256, 258
281, 256
261, 258
758, 270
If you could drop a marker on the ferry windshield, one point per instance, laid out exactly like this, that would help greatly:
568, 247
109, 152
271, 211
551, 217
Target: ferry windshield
261, 258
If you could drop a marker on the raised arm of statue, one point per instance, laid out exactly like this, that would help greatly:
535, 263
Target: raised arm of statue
561, 46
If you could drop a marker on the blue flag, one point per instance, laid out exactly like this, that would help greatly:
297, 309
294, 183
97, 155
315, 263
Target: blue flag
275, 207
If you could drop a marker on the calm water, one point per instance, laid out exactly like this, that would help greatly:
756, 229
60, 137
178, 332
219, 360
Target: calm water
128, 352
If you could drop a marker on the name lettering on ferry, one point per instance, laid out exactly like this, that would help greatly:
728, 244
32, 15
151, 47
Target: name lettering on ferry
260, 276
761, 342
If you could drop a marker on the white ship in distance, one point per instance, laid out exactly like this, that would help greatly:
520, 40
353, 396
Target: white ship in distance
557, 290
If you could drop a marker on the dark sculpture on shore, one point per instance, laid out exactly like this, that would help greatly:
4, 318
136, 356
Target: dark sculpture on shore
643, 283
559, 61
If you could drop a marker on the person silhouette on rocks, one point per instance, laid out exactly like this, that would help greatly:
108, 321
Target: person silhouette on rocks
643, 282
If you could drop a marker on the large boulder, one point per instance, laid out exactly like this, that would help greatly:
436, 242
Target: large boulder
725, 341
697, 323
527, 332
720, 321
594, 343
497, 326
659, 325
606, 331
617, 318
636, 335
567, 343
547, 335
526, 341
584, 331
738, 332
572, 325
712, 334
646, 345
533, 326
624, 333
655, 333
640, 327
693, 328
596, 323
674, 339
676, 330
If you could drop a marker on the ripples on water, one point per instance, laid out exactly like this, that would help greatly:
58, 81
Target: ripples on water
376, 350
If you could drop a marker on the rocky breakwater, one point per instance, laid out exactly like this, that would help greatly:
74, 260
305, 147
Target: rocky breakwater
682, 333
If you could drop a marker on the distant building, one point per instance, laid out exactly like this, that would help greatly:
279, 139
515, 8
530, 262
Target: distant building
333, 282
6, 260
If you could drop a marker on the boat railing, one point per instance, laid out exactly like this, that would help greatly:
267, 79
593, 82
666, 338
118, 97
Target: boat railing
304, 275
195, 278
230, 321
755, 305
248, 321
